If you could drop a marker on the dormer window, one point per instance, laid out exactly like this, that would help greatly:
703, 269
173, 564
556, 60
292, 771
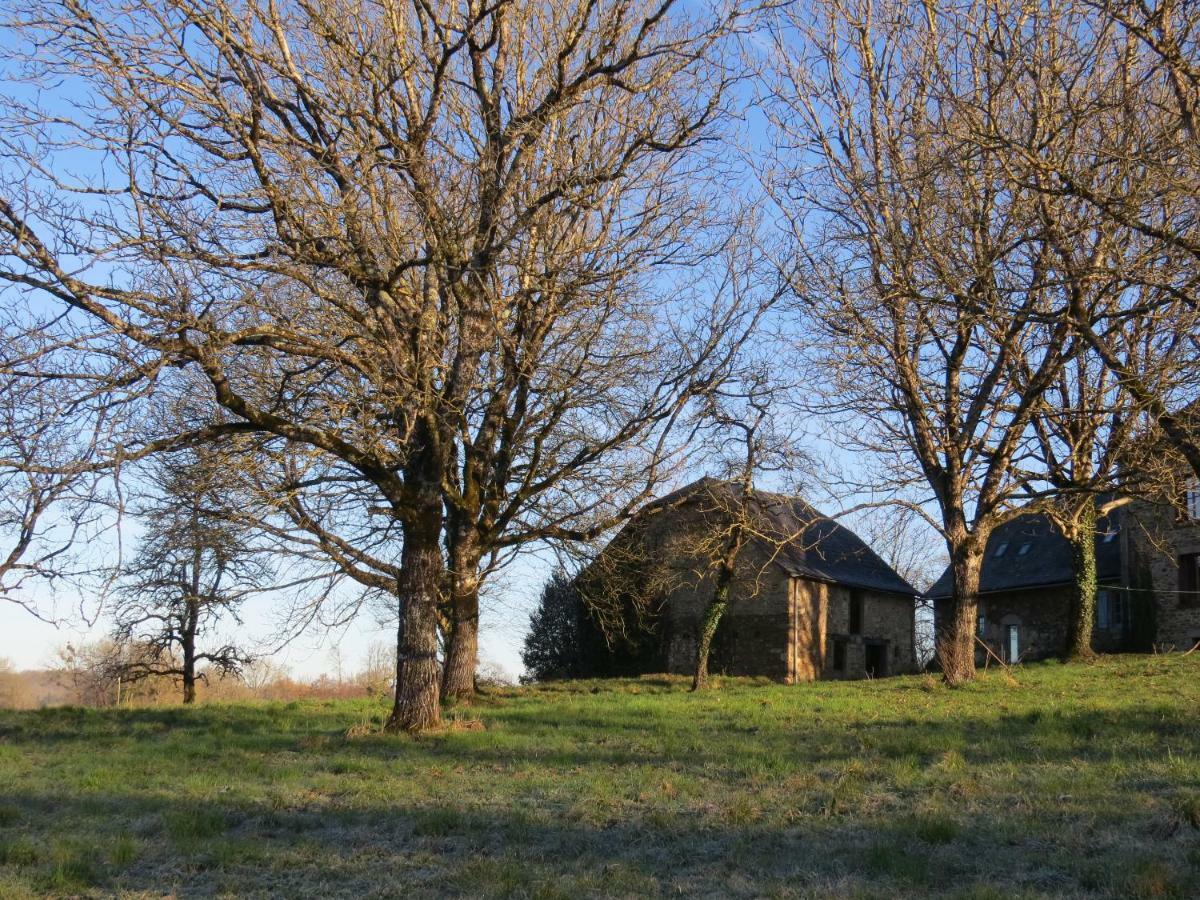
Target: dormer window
1000, 551
1024, 548
1110, 535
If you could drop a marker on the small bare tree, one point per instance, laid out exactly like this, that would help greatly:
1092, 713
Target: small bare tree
193, 568
750, 443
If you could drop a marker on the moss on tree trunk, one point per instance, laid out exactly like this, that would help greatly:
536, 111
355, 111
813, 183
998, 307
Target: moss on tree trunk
1082, 618
708, 629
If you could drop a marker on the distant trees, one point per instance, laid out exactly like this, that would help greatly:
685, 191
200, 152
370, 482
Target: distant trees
193, 568
14, 693
96, 674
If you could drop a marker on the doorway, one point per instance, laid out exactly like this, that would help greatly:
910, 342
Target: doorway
876, 659
1013, 644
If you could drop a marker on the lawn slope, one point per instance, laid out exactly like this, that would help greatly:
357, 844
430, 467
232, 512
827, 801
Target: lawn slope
1068, 781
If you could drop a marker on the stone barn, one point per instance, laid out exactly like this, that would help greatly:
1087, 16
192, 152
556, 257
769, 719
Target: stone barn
809, 598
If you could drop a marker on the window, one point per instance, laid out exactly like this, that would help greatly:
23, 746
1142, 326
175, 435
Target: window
839, 654
1102, 609
1013, 644
1118, 611
1189, 579
1024, 548
982, 629
1191, 501
1110, 535
856, 612
1001, 549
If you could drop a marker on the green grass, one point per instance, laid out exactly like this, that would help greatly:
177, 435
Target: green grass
1073, 781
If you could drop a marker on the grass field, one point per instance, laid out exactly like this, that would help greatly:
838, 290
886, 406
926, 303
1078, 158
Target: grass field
1074, 780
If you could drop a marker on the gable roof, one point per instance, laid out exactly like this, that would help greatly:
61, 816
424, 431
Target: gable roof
1047, 561
809, 544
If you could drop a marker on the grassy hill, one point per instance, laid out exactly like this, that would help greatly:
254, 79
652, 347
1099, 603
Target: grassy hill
1074, 780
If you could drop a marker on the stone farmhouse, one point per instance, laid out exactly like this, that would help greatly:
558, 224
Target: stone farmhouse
809, 599
1148, 574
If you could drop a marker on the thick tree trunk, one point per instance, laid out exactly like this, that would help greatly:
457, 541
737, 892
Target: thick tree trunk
417, 672
1083, 594
956, 633
462, 653
462, 650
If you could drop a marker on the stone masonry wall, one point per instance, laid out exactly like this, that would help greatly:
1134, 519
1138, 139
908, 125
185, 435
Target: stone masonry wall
753, 637
886, 618
1159, 534
1041, 616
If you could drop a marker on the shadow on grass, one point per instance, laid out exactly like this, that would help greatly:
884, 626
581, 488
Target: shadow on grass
200, 848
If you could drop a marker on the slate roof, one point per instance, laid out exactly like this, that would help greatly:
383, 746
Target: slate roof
1046, 562
815, 546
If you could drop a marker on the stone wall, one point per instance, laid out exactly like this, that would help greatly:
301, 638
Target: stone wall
1041, 616
888, 622
1159, 533
785, 628
754, 635
775, 626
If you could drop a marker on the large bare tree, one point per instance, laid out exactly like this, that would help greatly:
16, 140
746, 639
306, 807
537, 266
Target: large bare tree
1118, 83
1098, 102
360, 223
921, 286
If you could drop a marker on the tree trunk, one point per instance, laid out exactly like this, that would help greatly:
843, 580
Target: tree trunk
189, 682
708, 629
1083, 591
417, 676
188, 639
462, 650
956, 633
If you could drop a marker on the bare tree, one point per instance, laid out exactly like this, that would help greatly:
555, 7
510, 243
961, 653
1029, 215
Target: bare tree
1127, 294
339, 214
193, 568
750, 442
1117, 84
568, 439
46, 502
918, 281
